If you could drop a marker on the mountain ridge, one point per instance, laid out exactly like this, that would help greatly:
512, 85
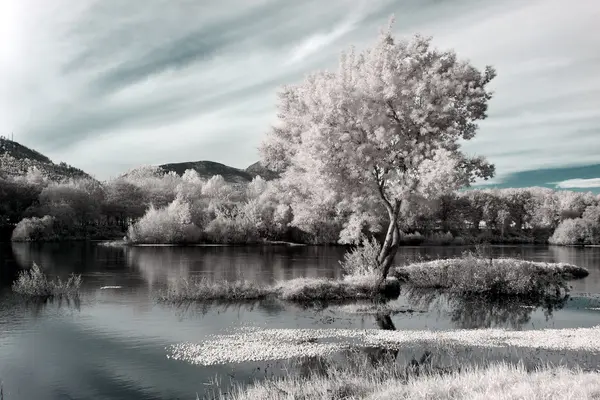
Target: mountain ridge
207, 169
16, 159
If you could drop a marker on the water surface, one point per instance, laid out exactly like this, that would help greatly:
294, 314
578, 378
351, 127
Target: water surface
113, 343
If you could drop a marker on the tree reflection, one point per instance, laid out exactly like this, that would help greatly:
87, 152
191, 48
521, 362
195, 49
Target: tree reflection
474, 312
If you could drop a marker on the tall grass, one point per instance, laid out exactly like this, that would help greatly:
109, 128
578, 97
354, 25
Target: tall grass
362, 260
190, 289
475, 274
34, 283
420, 380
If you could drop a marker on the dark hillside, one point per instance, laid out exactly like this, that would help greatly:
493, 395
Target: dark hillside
16, 159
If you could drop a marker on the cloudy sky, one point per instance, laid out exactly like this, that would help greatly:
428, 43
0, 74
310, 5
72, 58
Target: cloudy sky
110, 84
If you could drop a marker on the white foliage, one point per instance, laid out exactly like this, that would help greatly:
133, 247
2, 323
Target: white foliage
256, 187
171, 224
382, 129
217, 188
190, 187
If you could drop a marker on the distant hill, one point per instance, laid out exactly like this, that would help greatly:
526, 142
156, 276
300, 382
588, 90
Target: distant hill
16, 159
207, 169
258, 169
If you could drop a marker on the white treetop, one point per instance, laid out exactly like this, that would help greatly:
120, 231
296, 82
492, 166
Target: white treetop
385, 126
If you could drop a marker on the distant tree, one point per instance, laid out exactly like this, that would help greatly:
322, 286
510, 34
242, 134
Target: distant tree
124, 201
158, 186
217, 188
76, 204
16, 196
170, 224
575, 231
34, 229
384, 128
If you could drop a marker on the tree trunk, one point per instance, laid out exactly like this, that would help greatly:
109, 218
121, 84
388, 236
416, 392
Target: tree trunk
390, 244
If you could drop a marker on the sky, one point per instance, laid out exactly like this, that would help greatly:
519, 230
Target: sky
108, 85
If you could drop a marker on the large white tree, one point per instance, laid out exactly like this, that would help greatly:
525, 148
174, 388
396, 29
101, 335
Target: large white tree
384, 128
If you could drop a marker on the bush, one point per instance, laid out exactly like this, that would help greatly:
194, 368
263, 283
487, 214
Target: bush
362, 260
572, 232
412, 239
171, 224
34, 283
238, 226
34, 229
471, 274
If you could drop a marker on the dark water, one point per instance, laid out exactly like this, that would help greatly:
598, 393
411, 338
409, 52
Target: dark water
112, 344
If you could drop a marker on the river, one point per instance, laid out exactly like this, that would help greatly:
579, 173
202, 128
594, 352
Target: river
113, 343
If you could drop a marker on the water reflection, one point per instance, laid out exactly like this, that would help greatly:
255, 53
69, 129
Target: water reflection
259, 264
475, 312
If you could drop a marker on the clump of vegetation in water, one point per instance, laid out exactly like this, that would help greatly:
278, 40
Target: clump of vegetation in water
349, 288
34, 283
476, 274
203, 289
363, 259
297, 290
421, 380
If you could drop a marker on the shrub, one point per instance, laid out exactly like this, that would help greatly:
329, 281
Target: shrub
238, 226
34, 229
171, 224
362, 260
572, 232
412, 239
34, 283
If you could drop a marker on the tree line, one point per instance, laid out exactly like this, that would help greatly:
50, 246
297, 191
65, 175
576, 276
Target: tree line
149, 205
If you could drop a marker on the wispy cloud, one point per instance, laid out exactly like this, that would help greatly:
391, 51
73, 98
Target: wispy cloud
106, 85
578, 183
318, 41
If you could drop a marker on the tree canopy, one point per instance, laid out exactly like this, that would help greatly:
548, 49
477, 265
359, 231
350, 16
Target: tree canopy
384, 128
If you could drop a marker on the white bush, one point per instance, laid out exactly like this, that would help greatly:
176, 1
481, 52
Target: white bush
171, 224
572, 231
33, 229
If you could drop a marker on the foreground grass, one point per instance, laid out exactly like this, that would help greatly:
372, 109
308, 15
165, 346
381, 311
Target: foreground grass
34, 284
299, 290
497, 381
471, 274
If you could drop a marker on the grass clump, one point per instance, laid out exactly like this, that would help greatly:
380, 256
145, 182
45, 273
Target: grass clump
34, 283
474, 274
203, 289
296, 290
393, 381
